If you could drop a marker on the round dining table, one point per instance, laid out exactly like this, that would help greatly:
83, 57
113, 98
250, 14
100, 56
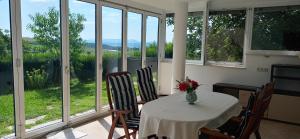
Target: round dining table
173, 117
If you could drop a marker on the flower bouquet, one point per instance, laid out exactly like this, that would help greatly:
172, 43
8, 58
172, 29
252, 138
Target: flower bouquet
188, 86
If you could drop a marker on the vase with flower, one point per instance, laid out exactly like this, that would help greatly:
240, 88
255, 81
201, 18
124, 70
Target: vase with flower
189, 86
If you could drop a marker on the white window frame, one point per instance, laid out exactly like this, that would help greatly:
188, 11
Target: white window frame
245, 43
266, 52
204, 28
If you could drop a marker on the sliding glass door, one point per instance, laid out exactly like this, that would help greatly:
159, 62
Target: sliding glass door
41, 42
7, 117
82, 32
152, 45
112, 22
38, 57
134, 44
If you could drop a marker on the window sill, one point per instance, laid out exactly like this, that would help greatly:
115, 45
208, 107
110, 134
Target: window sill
188, 62
236, 65
273, 53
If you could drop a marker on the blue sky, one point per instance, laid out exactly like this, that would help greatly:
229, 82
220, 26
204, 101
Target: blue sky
111, 19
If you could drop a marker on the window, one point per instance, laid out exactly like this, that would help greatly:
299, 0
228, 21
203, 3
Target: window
226, 36
82, 32
112, 44
169, 36
7, 125
42, 62
194, 36
277, 27
152, 45
134, 44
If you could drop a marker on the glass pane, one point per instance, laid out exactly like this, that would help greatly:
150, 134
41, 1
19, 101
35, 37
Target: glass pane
134, 47
226, 36
82, 32
277, 27
42, 62
112, 44
194, 36
169, 36
7, 117
152, 45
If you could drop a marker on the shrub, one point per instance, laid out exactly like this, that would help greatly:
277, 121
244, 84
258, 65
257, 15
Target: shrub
36, 79
84, 66
169, 50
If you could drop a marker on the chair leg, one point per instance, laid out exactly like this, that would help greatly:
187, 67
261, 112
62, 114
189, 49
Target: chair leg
257, 134
134, 134
125, 127
113, 126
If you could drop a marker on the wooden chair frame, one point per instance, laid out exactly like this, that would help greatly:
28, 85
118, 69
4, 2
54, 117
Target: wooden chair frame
262, 102
118, 114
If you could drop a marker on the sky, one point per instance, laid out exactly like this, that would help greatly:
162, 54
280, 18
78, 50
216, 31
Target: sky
111, 19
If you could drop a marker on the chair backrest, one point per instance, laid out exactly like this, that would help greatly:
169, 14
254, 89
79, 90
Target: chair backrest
255, 116
146, 84
121, 94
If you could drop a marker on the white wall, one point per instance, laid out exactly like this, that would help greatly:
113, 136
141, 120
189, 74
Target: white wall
212, 74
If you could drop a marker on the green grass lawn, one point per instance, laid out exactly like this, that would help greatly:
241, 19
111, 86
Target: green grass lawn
48, 102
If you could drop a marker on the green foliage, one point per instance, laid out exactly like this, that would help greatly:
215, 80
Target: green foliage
5, 44
84, 67
134, 52
151, 49
272, 28
194, 37
226, 36
46, 29
169, 50
36, 79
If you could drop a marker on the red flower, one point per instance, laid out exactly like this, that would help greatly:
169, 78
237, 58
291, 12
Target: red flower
194, 84
183, 86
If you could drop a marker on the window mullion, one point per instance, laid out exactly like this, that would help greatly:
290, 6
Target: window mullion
124, 40
248, 33
16, 34
99, 70
144, 40
204, 33
65, 60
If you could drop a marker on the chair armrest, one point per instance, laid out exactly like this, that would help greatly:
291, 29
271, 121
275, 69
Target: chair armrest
214, 134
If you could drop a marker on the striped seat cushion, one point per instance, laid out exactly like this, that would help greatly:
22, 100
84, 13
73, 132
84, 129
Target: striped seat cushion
146, 84
123, 95
131, 123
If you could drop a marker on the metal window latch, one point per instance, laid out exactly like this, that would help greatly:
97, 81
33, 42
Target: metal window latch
67, 70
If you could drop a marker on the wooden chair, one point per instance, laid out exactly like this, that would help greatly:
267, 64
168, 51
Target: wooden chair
252, 118
123, 104
146, 85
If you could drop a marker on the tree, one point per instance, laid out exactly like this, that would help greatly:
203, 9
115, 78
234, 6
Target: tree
5, 43
46, 30
193, 38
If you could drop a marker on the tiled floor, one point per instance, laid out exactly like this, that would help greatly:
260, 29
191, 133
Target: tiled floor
269, 130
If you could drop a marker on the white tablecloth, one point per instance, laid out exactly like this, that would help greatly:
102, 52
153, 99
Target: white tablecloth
173, 117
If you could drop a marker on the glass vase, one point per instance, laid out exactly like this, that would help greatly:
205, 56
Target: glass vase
191, 97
